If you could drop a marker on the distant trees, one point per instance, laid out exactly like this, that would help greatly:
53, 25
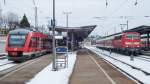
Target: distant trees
24, 22
8, 21
13, 20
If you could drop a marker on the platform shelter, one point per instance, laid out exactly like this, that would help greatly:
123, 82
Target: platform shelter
75, 34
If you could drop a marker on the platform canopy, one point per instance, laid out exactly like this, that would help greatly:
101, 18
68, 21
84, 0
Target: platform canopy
141, 29
79, 33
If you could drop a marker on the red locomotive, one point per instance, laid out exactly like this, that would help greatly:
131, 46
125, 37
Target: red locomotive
125, 42
23, 44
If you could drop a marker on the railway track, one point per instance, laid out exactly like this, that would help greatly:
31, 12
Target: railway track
8, 71
135, 68
143, 58
140, 57
5, 64
3, 57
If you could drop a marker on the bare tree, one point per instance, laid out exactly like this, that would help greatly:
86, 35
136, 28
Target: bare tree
12, 20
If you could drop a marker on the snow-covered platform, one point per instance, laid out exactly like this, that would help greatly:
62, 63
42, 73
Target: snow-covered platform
47, 76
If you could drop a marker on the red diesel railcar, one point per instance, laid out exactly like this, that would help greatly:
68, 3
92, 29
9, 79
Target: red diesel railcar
24, 44
126, 42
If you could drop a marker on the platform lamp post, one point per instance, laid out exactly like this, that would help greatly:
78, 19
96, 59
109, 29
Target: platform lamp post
54, 68
67, 25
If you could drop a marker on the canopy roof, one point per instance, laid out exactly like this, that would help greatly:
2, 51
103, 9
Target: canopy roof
141, 29
80, 33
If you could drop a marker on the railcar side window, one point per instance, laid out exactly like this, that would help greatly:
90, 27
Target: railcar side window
33, 42
118, 37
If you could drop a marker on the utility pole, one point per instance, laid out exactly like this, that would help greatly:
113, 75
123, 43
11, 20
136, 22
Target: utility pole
36, 18
67, 15
35, 15
127, 24
1, 17
115, 30
122, 26
54, 49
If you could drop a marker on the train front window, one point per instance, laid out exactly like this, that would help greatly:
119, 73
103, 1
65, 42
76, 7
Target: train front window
17, 40
132, 36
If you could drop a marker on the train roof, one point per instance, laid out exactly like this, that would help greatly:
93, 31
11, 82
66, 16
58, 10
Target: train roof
20, 31
117, 34
23, 31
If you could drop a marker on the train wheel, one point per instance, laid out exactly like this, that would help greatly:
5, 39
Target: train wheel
33, 56
126, 53
129, 53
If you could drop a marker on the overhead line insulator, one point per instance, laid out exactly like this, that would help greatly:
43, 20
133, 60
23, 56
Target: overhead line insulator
136, 2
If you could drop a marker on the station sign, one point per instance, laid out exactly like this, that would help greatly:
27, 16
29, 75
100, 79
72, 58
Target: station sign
61, 49
58, 37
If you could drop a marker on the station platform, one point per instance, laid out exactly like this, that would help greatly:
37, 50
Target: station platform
90, 69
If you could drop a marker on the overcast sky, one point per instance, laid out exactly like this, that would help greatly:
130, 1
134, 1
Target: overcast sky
84, 11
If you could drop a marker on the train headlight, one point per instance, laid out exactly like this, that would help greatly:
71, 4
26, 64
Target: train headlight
136, 43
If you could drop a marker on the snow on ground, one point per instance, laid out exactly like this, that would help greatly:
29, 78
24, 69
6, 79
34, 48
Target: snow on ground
3, 41
47, 76
4, 65
137, 63
1, 54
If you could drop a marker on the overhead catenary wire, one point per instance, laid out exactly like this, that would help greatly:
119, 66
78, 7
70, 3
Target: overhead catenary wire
116, 10
124, 2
